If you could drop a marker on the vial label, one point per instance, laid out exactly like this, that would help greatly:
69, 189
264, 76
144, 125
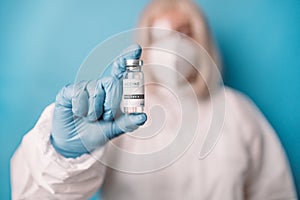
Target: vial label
133, 93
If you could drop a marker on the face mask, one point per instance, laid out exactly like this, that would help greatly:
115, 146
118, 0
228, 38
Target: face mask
173, 60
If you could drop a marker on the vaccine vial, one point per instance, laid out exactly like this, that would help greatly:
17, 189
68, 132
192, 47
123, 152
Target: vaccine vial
133, 87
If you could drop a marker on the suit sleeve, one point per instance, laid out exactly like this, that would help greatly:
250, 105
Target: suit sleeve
39, 172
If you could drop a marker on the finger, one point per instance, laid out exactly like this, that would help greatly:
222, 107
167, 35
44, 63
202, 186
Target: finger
118, 66
64, 96
112, 84
80, 99
113, 95
127, 123
96, 99
72, 98
63, 111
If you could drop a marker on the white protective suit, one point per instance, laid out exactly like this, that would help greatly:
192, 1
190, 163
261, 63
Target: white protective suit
248, 162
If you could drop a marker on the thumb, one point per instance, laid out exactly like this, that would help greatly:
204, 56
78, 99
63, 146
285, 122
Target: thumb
127, 123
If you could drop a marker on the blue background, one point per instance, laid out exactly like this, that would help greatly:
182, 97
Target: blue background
43, 43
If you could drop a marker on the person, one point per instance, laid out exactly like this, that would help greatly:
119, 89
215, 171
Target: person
60, 157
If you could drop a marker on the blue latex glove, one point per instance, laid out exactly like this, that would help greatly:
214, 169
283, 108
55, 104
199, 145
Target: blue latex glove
87, 114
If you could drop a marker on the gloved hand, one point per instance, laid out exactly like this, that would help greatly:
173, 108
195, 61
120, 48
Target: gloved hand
85, 114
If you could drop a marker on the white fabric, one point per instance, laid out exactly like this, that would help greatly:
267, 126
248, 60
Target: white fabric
248, 163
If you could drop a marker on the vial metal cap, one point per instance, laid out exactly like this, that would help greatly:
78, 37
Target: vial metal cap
133, 62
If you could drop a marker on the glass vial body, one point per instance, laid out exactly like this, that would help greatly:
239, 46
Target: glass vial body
133, 87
